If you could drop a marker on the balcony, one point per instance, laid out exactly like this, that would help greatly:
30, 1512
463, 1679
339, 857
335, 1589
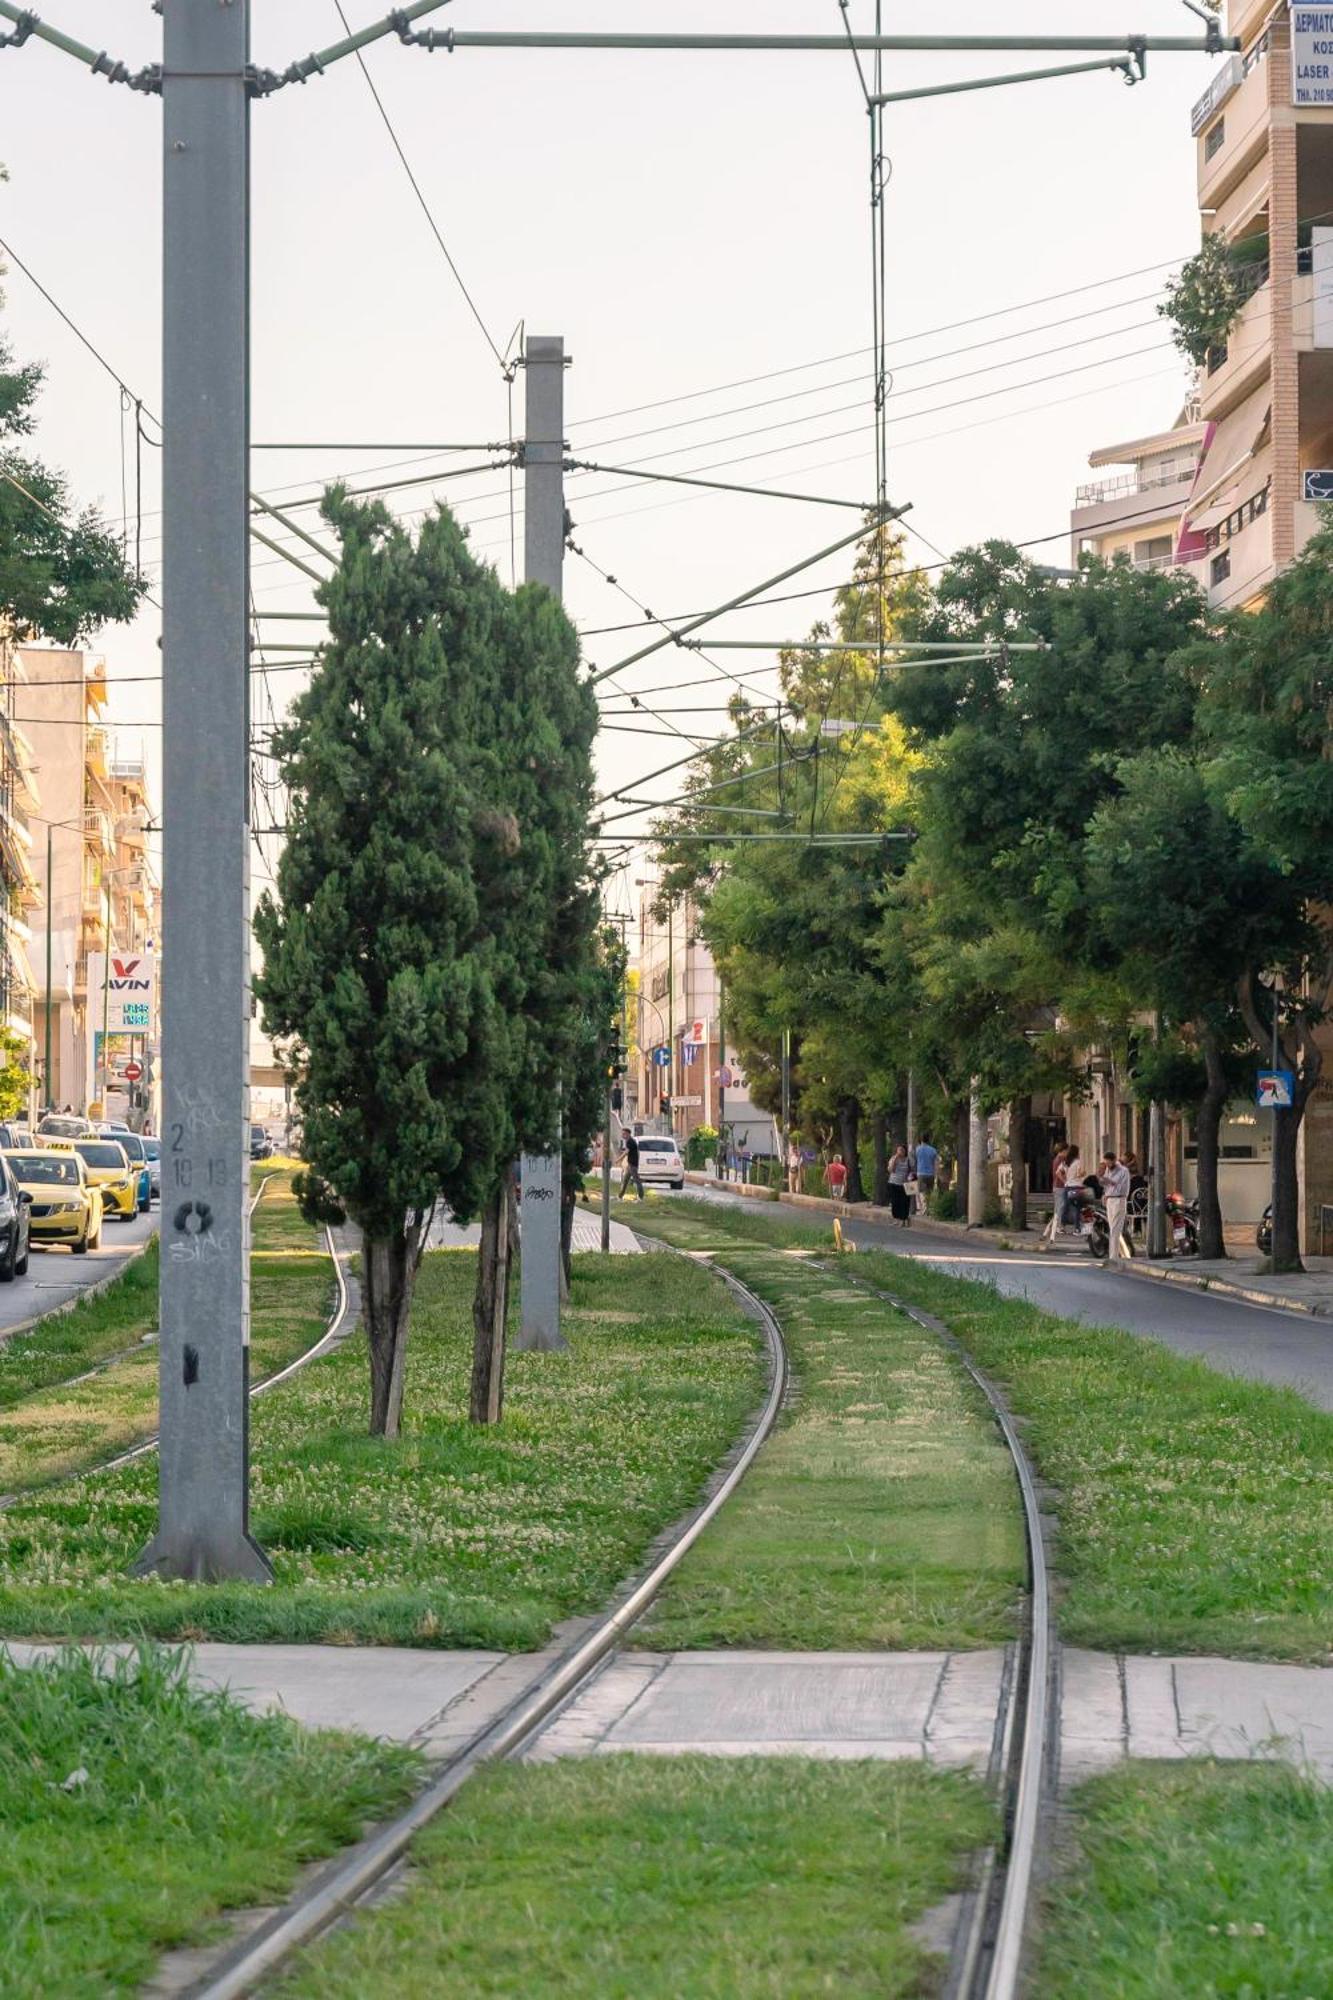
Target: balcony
1234, 371
1098, 491
1244, 119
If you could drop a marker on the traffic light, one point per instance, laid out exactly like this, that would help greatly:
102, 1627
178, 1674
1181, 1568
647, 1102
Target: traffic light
617, 1099
616, 1064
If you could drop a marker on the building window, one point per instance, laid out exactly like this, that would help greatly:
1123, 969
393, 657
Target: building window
1155, 553
1214, 139
1220, 567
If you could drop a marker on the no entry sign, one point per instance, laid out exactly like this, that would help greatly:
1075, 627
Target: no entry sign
132, 1072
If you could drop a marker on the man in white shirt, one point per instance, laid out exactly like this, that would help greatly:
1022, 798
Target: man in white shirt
1115, 1193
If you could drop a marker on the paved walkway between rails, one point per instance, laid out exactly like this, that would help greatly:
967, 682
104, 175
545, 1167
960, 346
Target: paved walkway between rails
446, 1234
938, 1706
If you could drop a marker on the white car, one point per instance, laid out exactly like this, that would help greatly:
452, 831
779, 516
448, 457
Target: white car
661, 1160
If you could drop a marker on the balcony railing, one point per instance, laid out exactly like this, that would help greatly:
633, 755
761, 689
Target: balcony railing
1127, 483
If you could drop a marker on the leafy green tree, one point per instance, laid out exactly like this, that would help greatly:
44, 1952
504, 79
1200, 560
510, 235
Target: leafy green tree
15, 1075
1182, 904
583, 1100
389, 951
62, 574
1266, 724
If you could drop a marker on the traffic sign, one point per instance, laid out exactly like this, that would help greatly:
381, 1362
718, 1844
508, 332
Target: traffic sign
662, 1057
1275, 1090
132, 1072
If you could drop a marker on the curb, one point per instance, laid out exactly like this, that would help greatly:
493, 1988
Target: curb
1014, 1239
89, 1292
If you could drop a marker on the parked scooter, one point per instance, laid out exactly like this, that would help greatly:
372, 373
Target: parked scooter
1182, 1222
1263, 1235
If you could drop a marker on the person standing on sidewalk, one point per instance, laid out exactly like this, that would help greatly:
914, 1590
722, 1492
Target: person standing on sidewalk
1059, 1176
900, 1173
927, 1167
1115, 1193
836, 1175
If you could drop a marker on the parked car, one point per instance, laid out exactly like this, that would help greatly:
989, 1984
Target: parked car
12, 1134
65, 1206
152, 1149
14, 1226
261, 1146
660, 1159
110, 1170
132, 1146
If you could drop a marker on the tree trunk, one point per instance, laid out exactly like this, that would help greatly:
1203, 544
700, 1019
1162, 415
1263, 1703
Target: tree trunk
490, 1306
849, 1126
879, 1126
1286, 1211
389, 1268
962, 1150
1207, 1127
1020, 1110
568, 1201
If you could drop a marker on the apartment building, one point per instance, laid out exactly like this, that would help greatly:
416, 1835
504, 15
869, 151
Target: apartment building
678, 1032
99, 892
20, 890
1135, 510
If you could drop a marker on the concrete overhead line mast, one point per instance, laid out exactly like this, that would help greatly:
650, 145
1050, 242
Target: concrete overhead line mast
208, 83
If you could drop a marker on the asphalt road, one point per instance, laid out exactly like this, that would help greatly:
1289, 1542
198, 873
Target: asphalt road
1261, 1343
56, 1276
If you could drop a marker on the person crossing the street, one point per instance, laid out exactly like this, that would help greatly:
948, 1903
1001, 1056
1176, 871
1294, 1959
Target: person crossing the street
631, 1173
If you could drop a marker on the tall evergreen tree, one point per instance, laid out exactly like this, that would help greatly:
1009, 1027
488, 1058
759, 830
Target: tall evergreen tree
428, 771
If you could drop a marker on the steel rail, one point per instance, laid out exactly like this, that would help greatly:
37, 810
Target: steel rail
994, 1949
345, 1882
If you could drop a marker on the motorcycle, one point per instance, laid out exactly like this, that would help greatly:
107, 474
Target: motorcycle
1182, 1222
1263, 1235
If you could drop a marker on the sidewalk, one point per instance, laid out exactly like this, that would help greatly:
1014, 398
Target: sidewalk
1237, 1276
446, 1234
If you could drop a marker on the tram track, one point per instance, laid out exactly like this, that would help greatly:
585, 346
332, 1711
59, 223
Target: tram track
355, 1877
334, 1332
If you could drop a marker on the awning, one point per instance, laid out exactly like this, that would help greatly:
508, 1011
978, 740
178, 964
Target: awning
1226, 453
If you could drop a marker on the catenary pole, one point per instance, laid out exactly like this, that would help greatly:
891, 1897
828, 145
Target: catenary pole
203, 1507
543, 562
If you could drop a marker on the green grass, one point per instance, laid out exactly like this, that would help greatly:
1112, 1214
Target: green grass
882, 1513
64, 1343
1212, 1880
50, 1432
188, 1806
657, 1878
455, 1534
1194, 1510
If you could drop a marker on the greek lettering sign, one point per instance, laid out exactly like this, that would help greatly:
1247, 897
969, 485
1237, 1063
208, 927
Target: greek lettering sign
1311, 55
127, 987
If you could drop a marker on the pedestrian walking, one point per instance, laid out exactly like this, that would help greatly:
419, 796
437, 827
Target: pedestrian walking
900, 1173
631, 1163
836, 1175
927, 1168
1115, 1193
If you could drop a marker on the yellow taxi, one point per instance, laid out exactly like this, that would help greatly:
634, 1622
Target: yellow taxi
66, 1207
109, 1170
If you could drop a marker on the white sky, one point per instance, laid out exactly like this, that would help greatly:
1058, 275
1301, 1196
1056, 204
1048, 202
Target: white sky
685, 221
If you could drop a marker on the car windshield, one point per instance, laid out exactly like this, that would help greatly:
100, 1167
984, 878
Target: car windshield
101, 1153
132, 1144
63, 1128
45, 1169
152, 1149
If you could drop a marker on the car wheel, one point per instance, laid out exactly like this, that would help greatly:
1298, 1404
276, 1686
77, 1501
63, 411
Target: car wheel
9, 1262
677, 1186
22, 1266
82, 1247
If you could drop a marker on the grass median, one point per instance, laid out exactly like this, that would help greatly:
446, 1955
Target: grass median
1193, 1878
883, 1513
66, 1418
1195, 1511
721, 1878
454, 1534
134, 1810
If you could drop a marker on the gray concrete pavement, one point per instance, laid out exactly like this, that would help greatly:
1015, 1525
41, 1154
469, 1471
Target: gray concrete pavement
1259, 1343
57, 1277
446, 1234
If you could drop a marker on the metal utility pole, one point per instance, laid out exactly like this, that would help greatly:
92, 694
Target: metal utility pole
786, 1108
721, 1079
50, 1100
912, 1113
203, 1509
671, 1016
606, 1170
1157, 1178
543, 562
